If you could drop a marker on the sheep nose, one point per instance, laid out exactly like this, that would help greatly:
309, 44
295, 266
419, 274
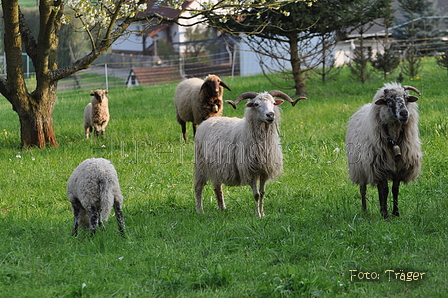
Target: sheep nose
404, 113
270, 116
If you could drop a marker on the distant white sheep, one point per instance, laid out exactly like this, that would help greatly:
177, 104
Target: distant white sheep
96, 113
235, 151
197, 100
93, 190
383, 143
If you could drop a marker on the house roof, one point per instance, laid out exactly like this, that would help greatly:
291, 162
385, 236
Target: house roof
160, 8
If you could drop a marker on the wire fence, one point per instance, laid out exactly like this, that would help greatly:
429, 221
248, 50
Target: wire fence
119, 70
113, 70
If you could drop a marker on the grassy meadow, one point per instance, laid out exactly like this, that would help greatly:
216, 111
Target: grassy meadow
315, 241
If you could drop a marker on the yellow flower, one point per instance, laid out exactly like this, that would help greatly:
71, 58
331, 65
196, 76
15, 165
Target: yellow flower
411, 79
418, 78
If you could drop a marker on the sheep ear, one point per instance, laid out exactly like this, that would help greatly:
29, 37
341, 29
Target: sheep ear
224, 85
380, 101
278, 102
411, 98
250, 104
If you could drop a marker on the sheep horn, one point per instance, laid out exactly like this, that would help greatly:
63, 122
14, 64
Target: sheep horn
243, 96
224, 85
278, 93
412, 88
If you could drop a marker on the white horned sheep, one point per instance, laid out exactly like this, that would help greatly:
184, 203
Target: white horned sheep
383, 143
96, 113
197, 100
93, 190
236, 151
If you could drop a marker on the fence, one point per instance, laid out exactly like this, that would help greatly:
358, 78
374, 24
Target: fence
113, 70
119, 70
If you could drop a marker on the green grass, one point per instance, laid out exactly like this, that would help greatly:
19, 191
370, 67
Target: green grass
313, 235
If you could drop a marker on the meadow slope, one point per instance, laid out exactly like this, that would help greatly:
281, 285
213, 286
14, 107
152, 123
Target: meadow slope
315, 241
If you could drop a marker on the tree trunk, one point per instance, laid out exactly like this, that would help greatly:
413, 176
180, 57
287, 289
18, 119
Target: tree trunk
36, 118
296, 65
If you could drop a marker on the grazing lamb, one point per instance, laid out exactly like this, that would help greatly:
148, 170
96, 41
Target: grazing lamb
383, 143
197, 100
93, 190
96, 113
236, 151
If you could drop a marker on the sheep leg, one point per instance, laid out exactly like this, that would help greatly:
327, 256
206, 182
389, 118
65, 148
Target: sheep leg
395, 190
88, 129
198, 187
363, 191
76, 205
258, 197
383, 192
119, 215
195, 126
261, 199
94, 215
184, 128
220, 197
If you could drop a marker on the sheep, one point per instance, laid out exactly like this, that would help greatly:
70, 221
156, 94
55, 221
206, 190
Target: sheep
197, 100
236, 151
93, 190
383, 144
96, 113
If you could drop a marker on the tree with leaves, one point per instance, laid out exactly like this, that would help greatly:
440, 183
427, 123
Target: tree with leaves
291, 30
388, 60
104, 21
418, 33
35, 107
362, 55
419, 26
442, 60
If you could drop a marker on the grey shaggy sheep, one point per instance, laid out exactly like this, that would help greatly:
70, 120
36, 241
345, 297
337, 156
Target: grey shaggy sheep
96, 113
197, 100
383, 143
236, 151
93, 190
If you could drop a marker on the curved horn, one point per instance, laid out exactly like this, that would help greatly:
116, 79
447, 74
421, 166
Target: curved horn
224, 85
278, 93
244, 95
412, 88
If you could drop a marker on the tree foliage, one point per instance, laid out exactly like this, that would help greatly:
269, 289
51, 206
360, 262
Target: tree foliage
415, 31
419, 26
287, 34
387, 61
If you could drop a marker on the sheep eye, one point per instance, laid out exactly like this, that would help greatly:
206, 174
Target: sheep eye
255, 104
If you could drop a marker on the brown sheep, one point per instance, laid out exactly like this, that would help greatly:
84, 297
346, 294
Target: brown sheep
197, 100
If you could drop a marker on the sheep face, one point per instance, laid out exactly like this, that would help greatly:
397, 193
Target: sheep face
213, 86
99, 94
395, 105
264, 107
